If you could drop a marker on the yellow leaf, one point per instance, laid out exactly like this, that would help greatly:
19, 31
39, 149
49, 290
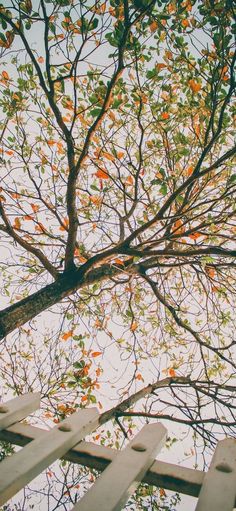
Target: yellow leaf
108, 156
17, 223
112, 116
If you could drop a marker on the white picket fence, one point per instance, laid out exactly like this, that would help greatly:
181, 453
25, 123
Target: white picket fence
122, 470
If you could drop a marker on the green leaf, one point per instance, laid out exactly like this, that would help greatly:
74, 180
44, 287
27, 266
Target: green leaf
232, 179
95, 112
163, 189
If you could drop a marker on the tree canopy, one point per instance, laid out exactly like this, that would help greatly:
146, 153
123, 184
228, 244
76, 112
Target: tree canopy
117, 218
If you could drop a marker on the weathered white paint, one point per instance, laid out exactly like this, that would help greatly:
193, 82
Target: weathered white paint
218, 491
18, 408
161, 474
20, 468
113, 488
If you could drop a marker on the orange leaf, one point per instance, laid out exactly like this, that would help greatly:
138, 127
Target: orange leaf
28, 217
95, 354
103, 7
195, 86
67, 335
153, 26
69, 105
189, 170
10, 153
197, 129
41, 60
185, 23
102, 174
172, 372
5, 75
120, 154
195, 235
65, 225
51, 142
165, 115
98, 372
162, 492
210, 271
34, 207
16, 97
129, 180
84, 398
160, 66
178, 227
134, 326
119, 261
95, 199
39, 227
82, 259
15, 195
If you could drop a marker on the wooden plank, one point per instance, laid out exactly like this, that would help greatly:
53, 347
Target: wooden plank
18, 408
218, 491
113, 488
161, 474
20, 468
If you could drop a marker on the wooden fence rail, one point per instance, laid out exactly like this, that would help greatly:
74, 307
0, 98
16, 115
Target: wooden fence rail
216, 488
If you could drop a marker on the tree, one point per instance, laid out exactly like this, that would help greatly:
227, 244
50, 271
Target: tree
116, 205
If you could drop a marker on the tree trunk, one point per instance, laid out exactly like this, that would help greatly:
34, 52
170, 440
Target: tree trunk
20, 312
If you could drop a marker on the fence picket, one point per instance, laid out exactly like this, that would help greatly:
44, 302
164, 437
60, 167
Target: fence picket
121, 478
20, 468
18, 408
126, 469
218, 491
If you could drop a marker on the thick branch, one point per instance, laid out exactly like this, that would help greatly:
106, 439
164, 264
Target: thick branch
131, 400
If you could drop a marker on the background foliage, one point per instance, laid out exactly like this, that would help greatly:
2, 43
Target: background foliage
117, 214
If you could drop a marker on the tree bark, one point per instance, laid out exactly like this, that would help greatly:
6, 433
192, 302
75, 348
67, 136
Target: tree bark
20, 312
